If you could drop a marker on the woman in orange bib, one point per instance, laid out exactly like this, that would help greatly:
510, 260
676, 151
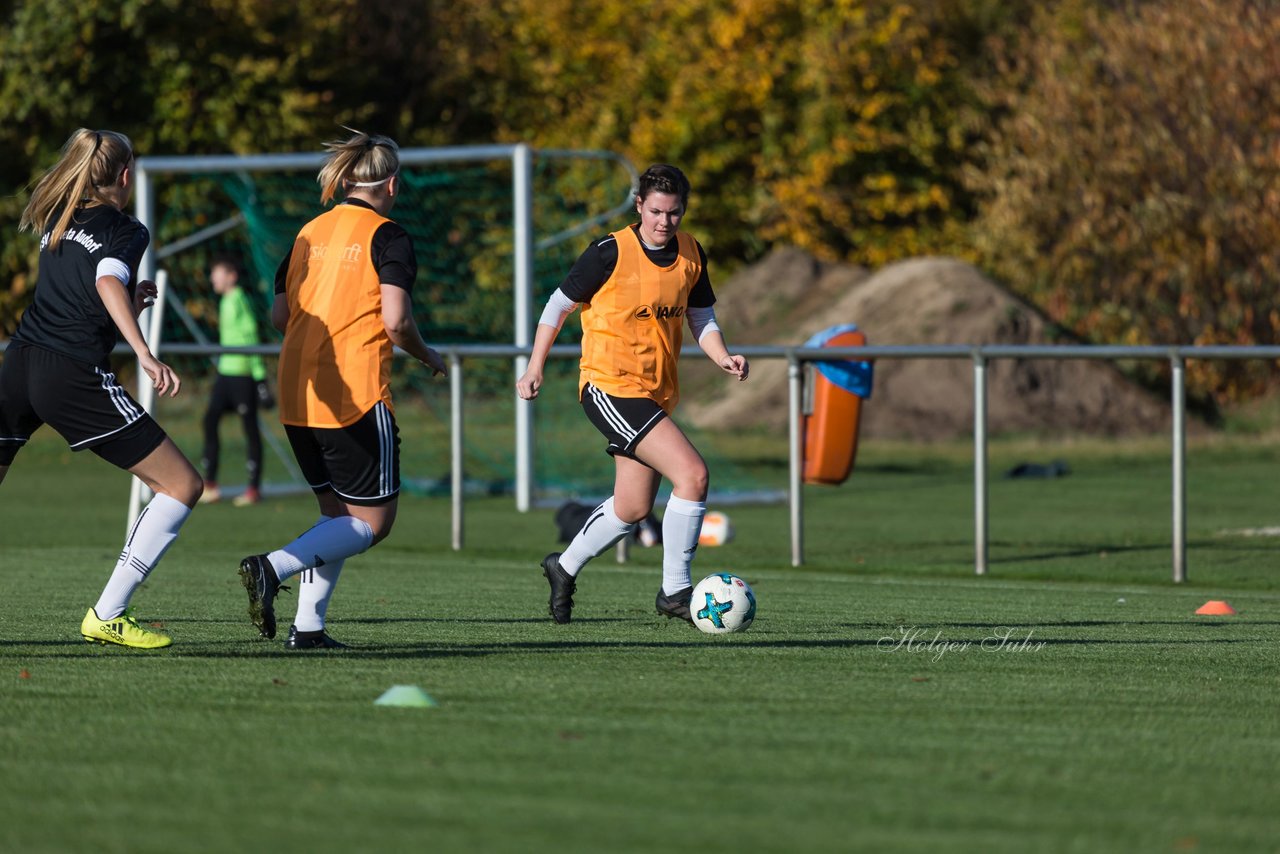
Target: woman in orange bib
343, 299
637, 288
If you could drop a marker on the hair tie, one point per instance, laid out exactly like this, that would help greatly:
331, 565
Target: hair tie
97, 143
370, 183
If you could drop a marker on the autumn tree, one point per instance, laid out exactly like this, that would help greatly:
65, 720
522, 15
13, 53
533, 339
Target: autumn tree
217, 76
841, 127
1133, 190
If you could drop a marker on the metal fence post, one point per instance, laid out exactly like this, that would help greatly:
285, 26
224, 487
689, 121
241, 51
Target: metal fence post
979, 463
140, 493
522, 201
456, 479
1179, 404
795, 375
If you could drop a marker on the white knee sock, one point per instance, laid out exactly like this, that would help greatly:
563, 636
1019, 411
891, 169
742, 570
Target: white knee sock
153, 533
331, 540
315, 591
603, 528
681, 524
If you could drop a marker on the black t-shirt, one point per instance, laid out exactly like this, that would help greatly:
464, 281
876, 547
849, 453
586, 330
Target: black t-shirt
67, 315
391, 255
596, 264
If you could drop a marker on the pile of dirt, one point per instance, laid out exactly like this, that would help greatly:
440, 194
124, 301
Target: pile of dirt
790, 295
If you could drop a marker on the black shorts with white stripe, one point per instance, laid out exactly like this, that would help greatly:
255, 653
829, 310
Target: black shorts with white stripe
359, 462
624, 421
83, 402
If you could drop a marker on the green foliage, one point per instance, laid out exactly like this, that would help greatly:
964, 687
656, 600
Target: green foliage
839, 127
217, 76
1134, 186
1113, 161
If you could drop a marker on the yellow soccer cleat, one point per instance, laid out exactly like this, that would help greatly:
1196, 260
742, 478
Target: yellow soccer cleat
123, 630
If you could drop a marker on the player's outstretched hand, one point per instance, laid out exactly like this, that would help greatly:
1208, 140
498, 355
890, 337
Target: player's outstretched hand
163, 378
144, 296
435, 362
527, 386
736, 365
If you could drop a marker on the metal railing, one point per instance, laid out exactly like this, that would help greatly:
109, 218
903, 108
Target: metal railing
979, 355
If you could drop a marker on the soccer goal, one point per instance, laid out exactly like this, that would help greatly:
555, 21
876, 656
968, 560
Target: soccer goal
496, 229
470, 209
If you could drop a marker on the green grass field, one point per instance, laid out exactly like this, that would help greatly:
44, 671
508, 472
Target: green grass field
884, 700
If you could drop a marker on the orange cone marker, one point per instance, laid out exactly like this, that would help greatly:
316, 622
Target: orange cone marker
1215, 608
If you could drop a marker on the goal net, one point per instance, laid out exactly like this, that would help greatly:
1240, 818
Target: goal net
461, 215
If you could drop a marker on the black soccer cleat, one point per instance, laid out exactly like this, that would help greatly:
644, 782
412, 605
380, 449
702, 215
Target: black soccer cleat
311, 640
676, 605
260, 581
560, 603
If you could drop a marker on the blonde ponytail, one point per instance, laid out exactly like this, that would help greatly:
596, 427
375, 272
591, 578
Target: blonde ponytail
91, 162
361, 159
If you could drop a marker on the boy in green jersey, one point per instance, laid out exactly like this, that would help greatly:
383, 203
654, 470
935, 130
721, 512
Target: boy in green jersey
240, 385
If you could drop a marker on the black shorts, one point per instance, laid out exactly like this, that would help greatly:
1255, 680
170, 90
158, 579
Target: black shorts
233, 394
83, 402
624, 421
359, 462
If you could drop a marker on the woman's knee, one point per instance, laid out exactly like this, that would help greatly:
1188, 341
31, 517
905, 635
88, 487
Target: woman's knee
380, 522
186, 487
166, 471
381, 530
630, 512
693, 482
633, 496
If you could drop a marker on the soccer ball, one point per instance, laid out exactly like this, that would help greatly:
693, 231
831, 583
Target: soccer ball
722, 603
716, 529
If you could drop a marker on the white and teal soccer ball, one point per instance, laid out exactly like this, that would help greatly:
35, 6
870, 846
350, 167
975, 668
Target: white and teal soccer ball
722, 603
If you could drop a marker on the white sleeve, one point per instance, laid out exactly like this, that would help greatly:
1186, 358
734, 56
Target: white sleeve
701, 321
558, 308
113, 267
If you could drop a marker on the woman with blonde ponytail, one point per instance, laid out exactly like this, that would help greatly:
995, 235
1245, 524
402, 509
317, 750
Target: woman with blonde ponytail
56, 370
343, 300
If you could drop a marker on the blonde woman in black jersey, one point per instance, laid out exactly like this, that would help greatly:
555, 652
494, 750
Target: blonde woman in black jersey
56, 370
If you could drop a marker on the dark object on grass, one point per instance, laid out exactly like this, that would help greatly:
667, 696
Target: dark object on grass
1057, 468
266, 400
572, 515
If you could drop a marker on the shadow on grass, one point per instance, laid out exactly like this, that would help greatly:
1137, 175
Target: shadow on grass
539, 647
482, 649
500, 621
243, 621
931, 467
1111, 549
1075, 551
1065, 624
273, 649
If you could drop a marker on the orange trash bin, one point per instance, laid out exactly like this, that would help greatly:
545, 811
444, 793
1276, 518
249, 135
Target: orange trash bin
834, 391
